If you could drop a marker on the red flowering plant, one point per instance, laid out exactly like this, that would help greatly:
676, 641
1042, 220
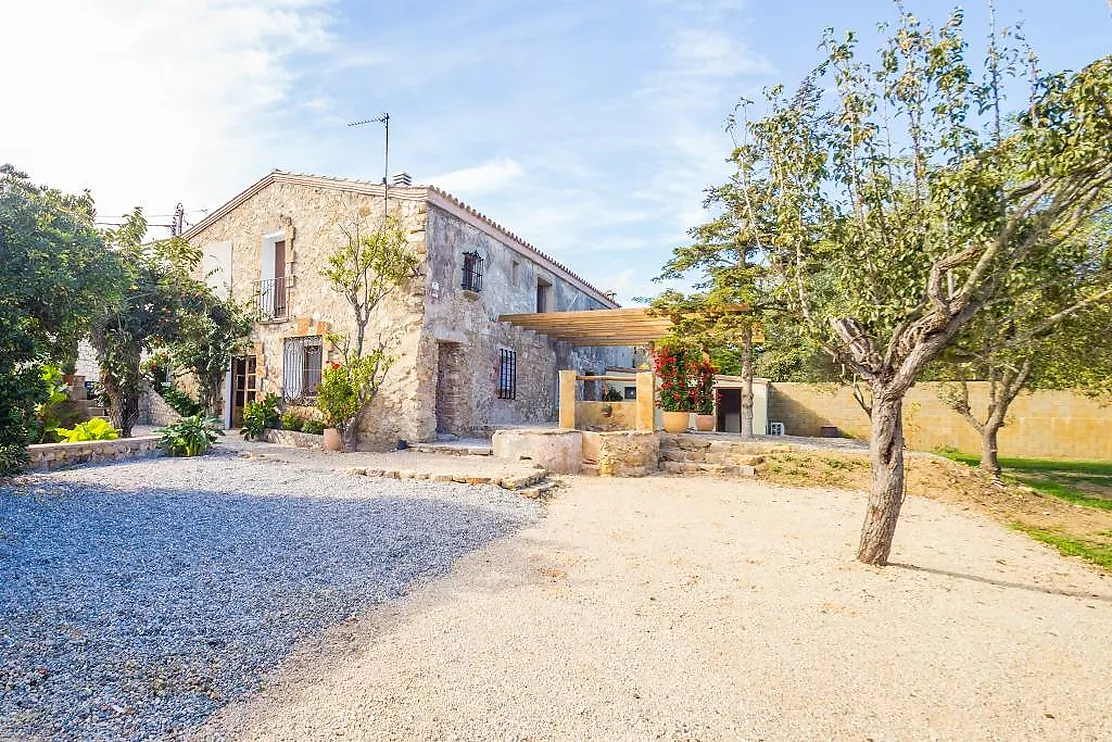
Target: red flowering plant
704, 387
675, 369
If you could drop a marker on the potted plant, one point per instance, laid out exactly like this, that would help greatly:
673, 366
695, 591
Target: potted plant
673, 368
338, 404
704, 396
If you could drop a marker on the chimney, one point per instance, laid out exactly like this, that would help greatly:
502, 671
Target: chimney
403, 179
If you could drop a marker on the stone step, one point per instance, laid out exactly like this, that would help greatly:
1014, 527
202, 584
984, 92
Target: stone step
542, 491
453, 448
589, 469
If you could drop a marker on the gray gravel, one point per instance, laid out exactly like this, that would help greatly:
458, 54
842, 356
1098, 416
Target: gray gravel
137, 599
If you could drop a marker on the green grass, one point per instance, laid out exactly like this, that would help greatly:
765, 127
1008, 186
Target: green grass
1090, 551
1065, 492
1102, 468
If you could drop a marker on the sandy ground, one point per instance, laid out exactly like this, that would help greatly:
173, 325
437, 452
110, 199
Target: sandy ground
682, 608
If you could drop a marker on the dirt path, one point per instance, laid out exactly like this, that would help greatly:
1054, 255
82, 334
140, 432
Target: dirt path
682, 608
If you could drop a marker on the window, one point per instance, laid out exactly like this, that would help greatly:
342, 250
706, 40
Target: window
631, 392
507, 374
515, 268
472, 271
301, 366
544, 296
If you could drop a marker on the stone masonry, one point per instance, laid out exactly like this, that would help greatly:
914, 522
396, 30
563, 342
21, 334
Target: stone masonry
309, 215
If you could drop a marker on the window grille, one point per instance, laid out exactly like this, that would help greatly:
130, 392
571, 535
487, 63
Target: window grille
302, 359
472, 271
507, 374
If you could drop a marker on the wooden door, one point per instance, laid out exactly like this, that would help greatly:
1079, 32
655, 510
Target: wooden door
280, 278
243, 386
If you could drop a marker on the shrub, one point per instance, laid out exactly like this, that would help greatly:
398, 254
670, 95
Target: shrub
312, 425
96, 429
181, 402
674, 366
259, 415
190, 436
292, 421
611, 394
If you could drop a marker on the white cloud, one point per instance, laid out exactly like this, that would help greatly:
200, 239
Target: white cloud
703, 53
494, 175
150, 103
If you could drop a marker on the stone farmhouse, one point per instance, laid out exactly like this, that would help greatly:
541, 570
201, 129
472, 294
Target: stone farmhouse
458, 369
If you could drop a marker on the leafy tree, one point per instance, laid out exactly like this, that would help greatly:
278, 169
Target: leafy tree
208, 339
894, 203
159, 298
55, 276
1048, 330
725, 314
365, 269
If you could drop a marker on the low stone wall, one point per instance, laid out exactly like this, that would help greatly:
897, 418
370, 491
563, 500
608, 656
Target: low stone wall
55, 455
625, 453
687, 453
558, 450
294, 438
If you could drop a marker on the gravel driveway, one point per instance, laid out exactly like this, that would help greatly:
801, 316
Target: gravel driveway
137, 599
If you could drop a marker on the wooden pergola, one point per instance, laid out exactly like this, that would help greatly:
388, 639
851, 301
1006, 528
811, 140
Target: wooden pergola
600, 327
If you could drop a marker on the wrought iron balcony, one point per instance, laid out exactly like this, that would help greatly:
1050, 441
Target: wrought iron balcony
272, 298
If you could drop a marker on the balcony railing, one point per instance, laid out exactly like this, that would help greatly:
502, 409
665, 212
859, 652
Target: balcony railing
272, 298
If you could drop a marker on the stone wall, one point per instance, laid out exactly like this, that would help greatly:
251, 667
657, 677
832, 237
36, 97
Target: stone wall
711, 453
158, 410
1045, 424
624, 453
55, 455
294, 438
413, 322
468, 319
606, 415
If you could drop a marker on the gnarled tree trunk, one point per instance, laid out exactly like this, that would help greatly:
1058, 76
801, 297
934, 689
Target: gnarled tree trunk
886, 494
990, 453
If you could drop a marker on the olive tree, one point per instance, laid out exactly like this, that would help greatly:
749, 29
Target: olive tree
893, 199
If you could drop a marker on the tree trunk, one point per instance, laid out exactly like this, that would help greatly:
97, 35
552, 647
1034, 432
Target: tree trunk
886, 495
747, 382
990, 454
123, 403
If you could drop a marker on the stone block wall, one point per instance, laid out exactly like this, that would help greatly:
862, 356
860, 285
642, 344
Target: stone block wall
708, 453
158, 410
1045, 424
625, 453
294, 438
606, 415
56, 455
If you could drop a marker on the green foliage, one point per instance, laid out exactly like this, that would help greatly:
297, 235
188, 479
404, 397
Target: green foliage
48, 413
190, 436
259, 415
345, 389
209, 337
292, 421
55, 276
1098, 468
160, 300
611, 394
366, 268
96, 429
313, 426
181, 402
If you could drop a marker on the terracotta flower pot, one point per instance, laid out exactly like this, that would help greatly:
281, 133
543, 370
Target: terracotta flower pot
676, 422
333, 441
704, 423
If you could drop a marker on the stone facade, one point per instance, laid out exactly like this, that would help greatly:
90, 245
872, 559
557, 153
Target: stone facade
446, 339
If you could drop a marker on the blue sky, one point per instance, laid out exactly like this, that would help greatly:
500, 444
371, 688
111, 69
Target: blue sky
588, 128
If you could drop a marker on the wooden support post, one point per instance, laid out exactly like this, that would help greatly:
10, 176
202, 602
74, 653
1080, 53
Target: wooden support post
646, 402
567, 399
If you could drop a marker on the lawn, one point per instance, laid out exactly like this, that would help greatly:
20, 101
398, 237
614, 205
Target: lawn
1084, 483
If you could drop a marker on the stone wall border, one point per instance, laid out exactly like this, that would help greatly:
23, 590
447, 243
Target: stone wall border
44, 456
